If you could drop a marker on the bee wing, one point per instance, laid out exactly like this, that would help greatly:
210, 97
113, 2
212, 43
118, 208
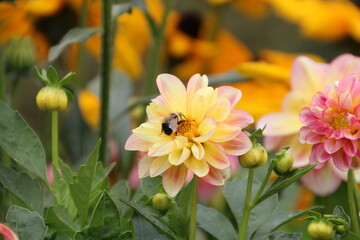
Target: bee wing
173, 124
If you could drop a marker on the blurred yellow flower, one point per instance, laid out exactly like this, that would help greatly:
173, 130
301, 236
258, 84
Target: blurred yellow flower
321, 19
89, 105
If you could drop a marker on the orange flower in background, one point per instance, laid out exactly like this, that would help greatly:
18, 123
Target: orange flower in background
191, 129
321, 19
270, 81
89, 105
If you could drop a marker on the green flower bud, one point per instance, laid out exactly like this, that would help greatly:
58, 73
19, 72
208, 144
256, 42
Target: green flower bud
320, 230
255, 157
340, 229
19, 54
52, 98
283, 163
161, 202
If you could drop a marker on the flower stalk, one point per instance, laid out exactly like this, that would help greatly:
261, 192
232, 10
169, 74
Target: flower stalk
105, 76
247, 207
194, 200
351, 190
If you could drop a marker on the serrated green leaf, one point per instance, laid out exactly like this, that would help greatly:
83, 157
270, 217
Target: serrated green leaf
285, 181
26, 189
75, 35
278, 219
81, 188
145, 231
234, 192
67, 79
280, 236
149, 214
20, 142
215, 223
52, 75
66, 172
27, 225
59, 219
105, 221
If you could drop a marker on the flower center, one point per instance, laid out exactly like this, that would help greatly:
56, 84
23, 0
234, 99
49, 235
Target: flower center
339, 122
186, 128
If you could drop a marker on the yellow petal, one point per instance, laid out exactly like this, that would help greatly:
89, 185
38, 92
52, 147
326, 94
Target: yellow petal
205, 129
158, 166
198, 150
198, 167
150, 131
202, 100
144, 166
174, 179
225, 132
215, 156
163, 148
220, 111
155, 110
179, 156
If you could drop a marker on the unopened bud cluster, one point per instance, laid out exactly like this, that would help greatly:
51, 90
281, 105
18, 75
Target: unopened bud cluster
320, 230
53, 97
255, 157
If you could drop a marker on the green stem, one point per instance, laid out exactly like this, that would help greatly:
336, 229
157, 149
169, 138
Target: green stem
247, 206
105, 76
54, 139
192, 234
81, 63
263, 184
352, 188
2, 79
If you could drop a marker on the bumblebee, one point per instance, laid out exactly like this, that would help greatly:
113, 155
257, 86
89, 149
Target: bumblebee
171, 122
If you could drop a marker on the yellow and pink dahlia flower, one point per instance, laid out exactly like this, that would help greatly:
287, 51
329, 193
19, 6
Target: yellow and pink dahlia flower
206, 133
332, 125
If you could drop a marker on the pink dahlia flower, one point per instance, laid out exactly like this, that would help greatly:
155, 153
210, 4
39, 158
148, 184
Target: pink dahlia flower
7, 233
332, 124
192, 129
282, 128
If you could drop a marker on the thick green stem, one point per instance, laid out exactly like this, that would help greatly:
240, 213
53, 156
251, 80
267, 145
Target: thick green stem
352, 188
247, 206
54, 138
105, 76
192, 233
263, 184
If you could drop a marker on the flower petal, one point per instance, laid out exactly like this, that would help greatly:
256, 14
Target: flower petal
205, 129
7, 233
280, 124
179, 156
198, 167
241, 144
239, 118
230, 93
195, 83
159, 165
174, 179
217, 177
133, 143
163, 148
144, 166
225, 132
322, 181
220, 110
215, 156
332, 145
202, 100
341, 160
197, 150
155, 110
342, 66
173, 92
150, 131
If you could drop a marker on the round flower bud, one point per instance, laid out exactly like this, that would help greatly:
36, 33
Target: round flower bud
340, 229
161, 202
283, 164
320, 230
52, 98
255, 157
19, 54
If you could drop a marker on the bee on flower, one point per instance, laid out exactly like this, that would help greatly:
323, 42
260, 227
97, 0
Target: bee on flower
193, 130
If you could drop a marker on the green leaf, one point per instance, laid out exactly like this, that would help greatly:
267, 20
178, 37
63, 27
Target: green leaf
340, 213
145, 231
67, 79
184, 196
215, 223
120, 189
150, 186
177, 220
59, 219
149, 214
278, 219
105, 221
234, 193
351, 236
75, 35
285, 181
280, 236
119, 9
27, 225
41, 76
21, 143
23, 187
52, 75
81, 188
